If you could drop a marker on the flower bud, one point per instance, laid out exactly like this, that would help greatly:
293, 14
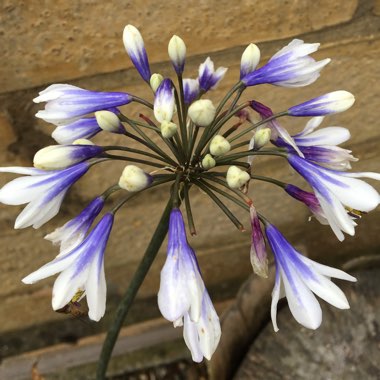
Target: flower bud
219, 145
208, 161
82, 142
108, 121
249, 60
155, 81
177, 53
258, 253
262, 137
134, 45
236, 177
134, 179
168, 129
164, 101
202, 112
61, 156
333, 102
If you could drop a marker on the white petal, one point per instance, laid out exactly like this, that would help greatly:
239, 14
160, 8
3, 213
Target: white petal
190, 335
302, 302
67, 284
96, 289
50, 269
312, 124
325, 136
275, 299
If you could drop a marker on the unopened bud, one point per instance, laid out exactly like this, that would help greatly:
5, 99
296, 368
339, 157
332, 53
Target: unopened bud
202, 112
55, 157
262, 137
155, 81
82, 142
236, 177
219, 145
208, 162
249, 60
168, 129
108, 121
134, 179
177, 53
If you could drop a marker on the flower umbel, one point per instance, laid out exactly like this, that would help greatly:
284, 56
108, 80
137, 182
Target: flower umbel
196, 145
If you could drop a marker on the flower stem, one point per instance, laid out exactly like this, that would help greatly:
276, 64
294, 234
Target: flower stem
138, 278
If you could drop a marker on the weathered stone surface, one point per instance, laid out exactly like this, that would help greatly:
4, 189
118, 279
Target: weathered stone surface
54, 41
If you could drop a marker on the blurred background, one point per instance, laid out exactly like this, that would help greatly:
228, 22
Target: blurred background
80, 42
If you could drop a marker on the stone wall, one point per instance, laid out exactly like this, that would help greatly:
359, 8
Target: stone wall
80, 43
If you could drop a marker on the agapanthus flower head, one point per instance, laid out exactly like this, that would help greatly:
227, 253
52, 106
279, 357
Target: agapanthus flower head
65, 102
73, 232
81, 269
300, 277
134, 45
164, 101
42, 190
333, 102
55, 157
337, 190
290, 67
249, 60
208, 77
190, 90
258, 253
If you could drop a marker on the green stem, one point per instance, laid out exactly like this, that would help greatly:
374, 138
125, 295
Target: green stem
142, 101
126, 302
131, 159
189, 213
137, 151
270, 180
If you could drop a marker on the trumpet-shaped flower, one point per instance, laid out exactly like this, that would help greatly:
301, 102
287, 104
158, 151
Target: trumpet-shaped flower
202, 337
333, 102
65, 103
73, 232
42, 190
134, 45
290, 67
336, 190
164, 101
81, 269
320, 146
181, 286
177, 53
208, 78
61, 156
300, 277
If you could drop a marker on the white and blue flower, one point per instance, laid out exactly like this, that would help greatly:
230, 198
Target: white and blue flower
290, 67
336, 191
42, 190
297, 278
320, 146
183, 298
208, 77
164, 101
82, 269
66, 103
73, 232
327, 104
190, 90
134, 45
